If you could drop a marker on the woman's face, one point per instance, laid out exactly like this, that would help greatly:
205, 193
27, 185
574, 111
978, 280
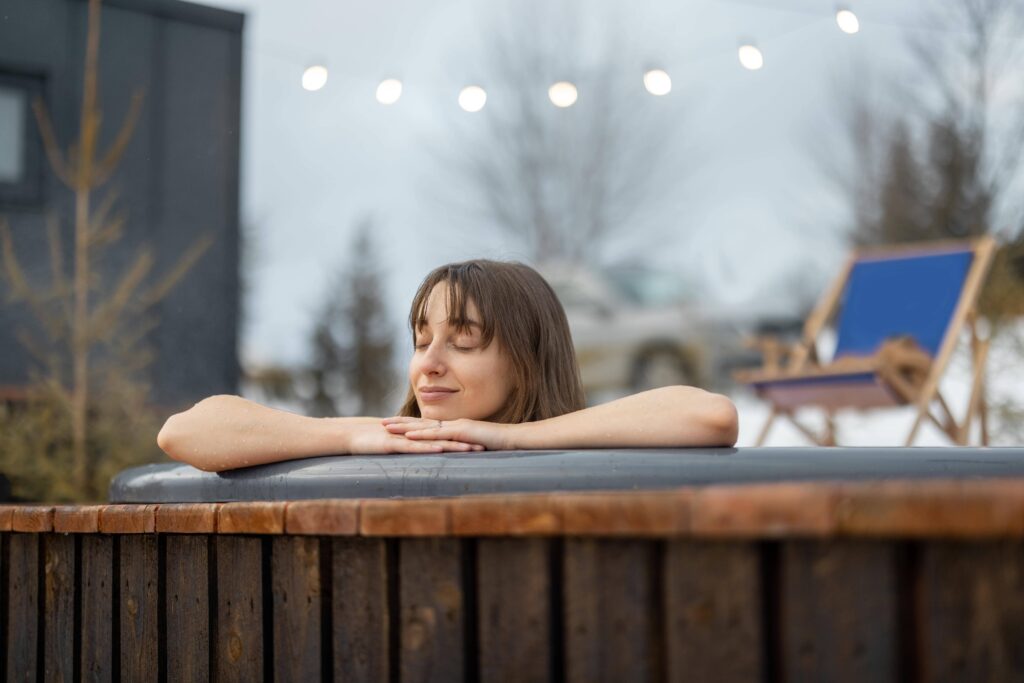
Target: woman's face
451, 374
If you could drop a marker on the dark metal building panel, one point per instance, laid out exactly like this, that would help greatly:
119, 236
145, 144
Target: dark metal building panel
178, 179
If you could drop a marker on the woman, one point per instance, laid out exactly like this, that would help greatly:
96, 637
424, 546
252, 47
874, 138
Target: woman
493, 368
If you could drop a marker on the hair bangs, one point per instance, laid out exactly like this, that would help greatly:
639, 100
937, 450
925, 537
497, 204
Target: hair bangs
464, 283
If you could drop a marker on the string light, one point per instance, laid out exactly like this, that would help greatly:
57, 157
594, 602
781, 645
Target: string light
563, 94
314, 77
750, 57
472, 98
847, 21
389, 91
657, 82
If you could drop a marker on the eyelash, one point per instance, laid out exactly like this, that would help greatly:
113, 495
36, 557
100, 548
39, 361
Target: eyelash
420, 347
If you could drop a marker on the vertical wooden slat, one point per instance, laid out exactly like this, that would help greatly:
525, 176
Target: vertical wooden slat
97, 607
713, 611
23, 604
514, 603
187, 566
4, 595
139, 605
361, 609
971, 614
295, 568
432, 613
59, 605
239, 609
611, 624
839, 611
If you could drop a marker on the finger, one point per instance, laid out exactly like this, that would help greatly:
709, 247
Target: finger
398, 419
403, 427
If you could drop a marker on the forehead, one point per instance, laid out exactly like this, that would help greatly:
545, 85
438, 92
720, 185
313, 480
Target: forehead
436, 307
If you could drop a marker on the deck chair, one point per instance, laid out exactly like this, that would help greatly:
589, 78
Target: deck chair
899, 312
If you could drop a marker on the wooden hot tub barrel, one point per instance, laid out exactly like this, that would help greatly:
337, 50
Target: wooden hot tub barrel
914, 578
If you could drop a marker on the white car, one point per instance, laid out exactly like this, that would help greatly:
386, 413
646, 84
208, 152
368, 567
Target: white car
633, 328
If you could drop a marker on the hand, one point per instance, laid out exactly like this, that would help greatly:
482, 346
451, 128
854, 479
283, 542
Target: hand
493, 436
374, 438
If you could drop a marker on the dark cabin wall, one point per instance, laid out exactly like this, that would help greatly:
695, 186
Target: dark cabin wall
178, 180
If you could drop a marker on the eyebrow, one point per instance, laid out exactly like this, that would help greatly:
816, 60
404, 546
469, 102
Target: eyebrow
457, 323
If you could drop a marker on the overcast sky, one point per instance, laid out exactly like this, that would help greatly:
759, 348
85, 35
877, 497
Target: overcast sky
754, 206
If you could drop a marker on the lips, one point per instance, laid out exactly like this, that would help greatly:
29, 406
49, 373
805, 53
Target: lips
433, 394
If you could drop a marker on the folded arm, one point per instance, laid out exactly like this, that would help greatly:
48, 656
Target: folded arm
225, 432
668, 417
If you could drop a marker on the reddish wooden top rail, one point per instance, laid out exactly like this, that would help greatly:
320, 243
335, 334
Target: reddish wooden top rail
923, 509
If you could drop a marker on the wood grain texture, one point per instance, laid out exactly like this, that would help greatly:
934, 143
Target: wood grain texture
77, 519
972, 611
360, 610
187, 518
128, 519
324, 517
22, 607
97, 607
839, 611
765, 510
239, 646
59, 607
138, 609
404, 517
506, 515
187, 564
514, 606
295, 568
611, 611
713, 628
32, 518
933, 509
432, 610
6, 517
251, 518
647, 513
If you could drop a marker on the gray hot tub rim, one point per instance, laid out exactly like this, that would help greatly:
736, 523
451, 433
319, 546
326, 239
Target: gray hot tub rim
454, 474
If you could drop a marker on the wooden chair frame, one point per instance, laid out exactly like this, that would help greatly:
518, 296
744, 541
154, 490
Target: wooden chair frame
921, 389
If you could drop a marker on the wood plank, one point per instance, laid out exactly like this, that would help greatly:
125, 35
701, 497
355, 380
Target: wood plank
527, 514
839, 611
22, 607
187, 518
612, 630
972, 611
251, 518
295, 568
765, 510
360, 609
59, 607
647, 513
97, 607
77, 519
379, 517
432, 609
239, 648
187, 566
514, 606
32, 518
139, 604
325, 517
128, 519
713, 626
6, 517
4, 550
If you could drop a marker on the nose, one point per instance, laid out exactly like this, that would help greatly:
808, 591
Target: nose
432, 361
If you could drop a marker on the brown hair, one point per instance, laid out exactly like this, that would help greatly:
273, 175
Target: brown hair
518, 307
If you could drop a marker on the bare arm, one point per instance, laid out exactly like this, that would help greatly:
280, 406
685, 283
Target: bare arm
668, 417
225, 432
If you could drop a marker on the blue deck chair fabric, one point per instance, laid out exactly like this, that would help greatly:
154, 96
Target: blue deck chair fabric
913, 296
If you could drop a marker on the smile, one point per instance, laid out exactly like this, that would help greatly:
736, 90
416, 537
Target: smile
435, 394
